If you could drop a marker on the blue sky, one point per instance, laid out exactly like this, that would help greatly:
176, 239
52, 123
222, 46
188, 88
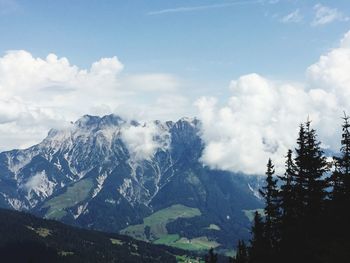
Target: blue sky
250, 70
207, 46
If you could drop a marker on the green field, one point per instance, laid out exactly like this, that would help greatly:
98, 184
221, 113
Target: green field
214, 227
116, 241
199, 243
157, 222
73, 195
158, 234
167, 239
186, 259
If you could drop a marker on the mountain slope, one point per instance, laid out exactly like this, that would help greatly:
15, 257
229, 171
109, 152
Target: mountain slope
26, 238
107, 174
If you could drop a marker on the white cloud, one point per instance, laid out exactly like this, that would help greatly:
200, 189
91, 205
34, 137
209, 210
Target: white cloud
259, 121
144, 140
325, 15
39, 184
53, 82
293, 17
261, 118
37, 94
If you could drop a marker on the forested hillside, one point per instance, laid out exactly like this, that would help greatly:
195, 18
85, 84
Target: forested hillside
26, 238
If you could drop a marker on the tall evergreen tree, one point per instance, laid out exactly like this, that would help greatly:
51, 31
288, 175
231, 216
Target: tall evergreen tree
345, 158
310, 194
301, 164
316, 167
288, 220
258, 248
311, 165
340, 178
287, 195
338, 214
270, 193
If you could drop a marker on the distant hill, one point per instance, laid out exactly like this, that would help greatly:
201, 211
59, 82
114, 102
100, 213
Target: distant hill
26, 238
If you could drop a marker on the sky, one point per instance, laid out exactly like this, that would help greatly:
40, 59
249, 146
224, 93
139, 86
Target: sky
250, 70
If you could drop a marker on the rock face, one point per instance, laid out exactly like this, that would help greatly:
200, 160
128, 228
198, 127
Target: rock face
105, 173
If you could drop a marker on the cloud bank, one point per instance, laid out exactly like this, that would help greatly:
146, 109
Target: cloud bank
37, 94
261, 118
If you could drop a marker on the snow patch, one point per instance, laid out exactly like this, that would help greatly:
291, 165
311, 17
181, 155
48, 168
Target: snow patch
100, 180
254, 191
80, 210
58, 164
126, 189
16, 204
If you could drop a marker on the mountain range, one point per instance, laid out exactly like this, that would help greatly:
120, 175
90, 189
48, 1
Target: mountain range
145, 180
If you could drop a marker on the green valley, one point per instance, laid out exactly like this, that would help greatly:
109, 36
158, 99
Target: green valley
154, 229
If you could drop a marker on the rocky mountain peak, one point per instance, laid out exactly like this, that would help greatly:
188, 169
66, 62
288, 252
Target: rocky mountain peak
107, 173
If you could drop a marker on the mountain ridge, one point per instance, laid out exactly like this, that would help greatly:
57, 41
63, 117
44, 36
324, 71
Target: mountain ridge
106, 173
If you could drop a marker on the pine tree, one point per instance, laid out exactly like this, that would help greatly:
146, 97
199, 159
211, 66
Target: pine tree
301, 164
310, 195
287, 195
270, 193
344, 170
345, 159
303, 198
338, 214
288, 233
316, 168
311, 165
340, 178
258, 249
